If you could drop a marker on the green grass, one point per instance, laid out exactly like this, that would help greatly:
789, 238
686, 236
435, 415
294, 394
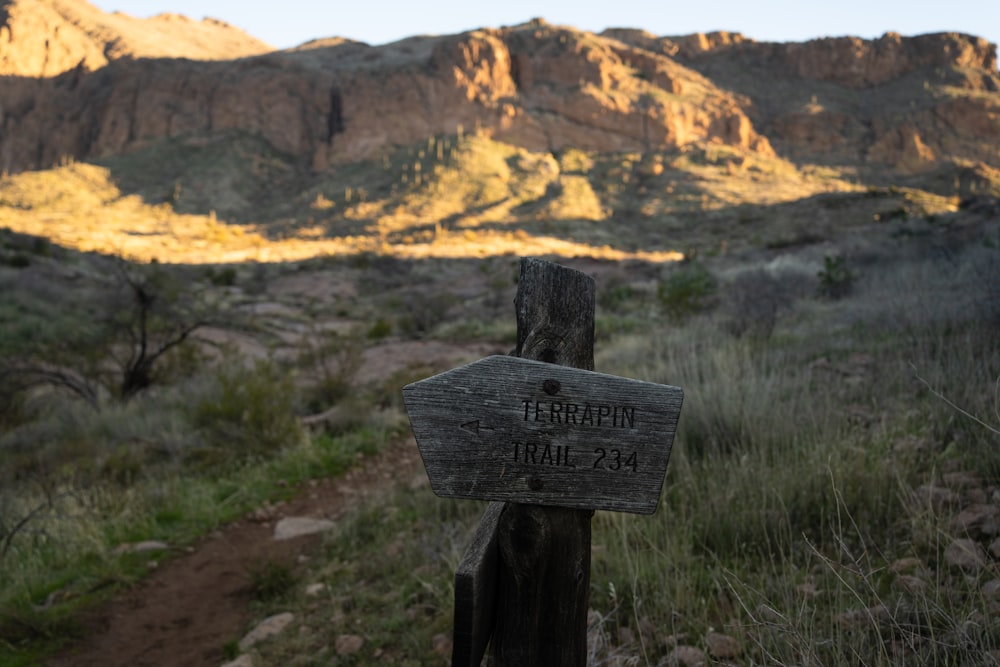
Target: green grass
788, 509
789, 498
387, 573
142, 471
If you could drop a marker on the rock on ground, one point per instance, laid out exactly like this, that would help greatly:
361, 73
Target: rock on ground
269, 627
965, 554
245, 660
722, 647
298, 526
687, 656
349, 644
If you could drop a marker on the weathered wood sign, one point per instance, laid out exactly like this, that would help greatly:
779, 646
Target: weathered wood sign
506, 428
555, 440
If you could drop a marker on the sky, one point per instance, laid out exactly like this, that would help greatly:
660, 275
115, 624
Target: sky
288, 23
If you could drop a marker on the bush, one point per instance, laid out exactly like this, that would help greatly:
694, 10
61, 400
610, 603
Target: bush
17, 261
752, 304
835, 279
379, 329
422, 312
223, 278
118, 344
333, 361
988, 270
270, 580
615, 295
252, 410
688, 290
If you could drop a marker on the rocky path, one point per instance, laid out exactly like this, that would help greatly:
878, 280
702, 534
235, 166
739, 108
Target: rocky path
194, 603
191, 606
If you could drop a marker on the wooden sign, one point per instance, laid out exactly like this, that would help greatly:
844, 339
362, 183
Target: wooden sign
507, 428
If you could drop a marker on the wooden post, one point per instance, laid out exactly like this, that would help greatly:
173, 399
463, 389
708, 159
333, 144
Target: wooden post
555, 440
475, 593
543, 592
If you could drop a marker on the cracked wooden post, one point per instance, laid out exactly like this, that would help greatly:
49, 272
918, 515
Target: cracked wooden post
543, 588
545, 434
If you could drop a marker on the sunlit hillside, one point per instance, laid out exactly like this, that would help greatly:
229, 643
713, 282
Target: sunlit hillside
217, 275
232, 199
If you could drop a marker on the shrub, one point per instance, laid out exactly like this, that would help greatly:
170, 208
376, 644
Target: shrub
379, 329
835, 279
687, 291
615, 295
988, 271
752, 304
422, 312
119, 344
252, 410
270, 580
18, 261
333, 361
223, 278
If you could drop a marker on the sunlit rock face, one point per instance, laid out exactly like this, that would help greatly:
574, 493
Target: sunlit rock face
96, 89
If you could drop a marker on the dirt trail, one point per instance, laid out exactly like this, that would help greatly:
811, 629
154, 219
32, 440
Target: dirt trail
190, 607
183, 613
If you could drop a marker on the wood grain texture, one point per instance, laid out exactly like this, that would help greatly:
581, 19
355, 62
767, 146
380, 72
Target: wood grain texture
542, 429
555, 314
504, 428
475, 592
544, 573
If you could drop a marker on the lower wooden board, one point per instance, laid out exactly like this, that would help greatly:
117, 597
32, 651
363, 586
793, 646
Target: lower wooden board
512, 429
475, 592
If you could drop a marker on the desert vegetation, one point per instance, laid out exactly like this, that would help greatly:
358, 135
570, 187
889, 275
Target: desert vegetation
841, 419
209, 305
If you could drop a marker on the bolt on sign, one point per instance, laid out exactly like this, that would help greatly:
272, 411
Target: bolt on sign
512, 429
550, 441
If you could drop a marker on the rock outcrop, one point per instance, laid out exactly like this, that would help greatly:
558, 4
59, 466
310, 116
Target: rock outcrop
44, 38
904, 102
538, 86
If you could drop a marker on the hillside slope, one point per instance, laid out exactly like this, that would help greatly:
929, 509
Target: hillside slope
45, 38
906, 103
623, 142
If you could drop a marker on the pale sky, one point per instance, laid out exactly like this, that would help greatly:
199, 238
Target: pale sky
286, 23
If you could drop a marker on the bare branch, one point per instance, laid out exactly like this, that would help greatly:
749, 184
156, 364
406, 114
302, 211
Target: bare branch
27, 375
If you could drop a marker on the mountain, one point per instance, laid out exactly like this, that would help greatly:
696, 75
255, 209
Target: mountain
45, 38
541, 127
112, 82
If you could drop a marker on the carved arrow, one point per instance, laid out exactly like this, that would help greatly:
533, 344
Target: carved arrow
506, 428
474, 427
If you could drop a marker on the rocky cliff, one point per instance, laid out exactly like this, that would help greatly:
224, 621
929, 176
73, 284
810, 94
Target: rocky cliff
908, 103
44, 38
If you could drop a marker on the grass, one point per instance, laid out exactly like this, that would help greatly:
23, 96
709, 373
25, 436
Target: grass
150, 469
270, 580
231, 198
811, 428
387, 574
788, 508
67, 552
790, 518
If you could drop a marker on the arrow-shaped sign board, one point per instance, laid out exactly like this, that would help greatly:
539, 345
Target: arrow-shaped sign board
512, 429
